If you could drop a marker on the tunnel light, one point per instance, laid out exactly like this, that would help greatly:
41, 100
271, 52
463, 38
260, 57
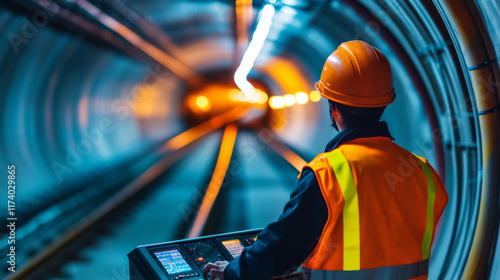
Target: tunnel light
263, 97
241, 96
221, 167
259, 97
289, 100
253, 50
301, 97
277, 102
315, 96
203, 103
233, 94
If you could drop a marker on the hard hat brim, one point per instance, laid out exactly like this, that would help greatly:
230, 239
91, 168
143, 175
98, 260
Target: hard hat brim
355, 101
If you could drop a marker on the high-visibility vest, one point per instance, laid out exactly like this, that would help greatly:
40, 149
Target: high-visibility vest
383, 207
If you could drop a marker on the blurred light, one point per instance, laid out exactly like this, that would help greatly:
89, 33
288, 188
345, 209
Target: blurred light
206, 127
289, 100
244, 11
233, 94
315, 96
226, 150
259, 97
301, 97
241, 96
277, 102
203, 103
262, 97
149, 103
286, 74
253, 50
83, 109
290, 12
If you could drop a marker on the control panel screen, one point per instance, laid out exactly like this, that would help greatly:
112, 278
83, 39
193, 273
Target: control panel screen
251, 240
234, 247
173, 261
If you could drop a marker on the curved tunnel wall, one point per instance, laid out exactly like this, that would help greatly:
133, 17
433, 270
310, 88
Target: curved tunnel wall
59, 88
78, 111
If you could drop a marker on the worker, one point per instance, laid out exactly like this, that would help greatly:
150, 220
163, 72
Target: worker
365, 208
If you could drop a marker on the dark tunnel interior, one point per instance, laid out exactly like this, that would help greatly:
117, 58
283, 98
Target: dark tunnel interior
126, 126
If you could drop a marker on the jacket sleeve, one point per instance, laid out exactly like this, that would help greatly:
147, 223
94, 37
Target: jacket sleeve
283, 245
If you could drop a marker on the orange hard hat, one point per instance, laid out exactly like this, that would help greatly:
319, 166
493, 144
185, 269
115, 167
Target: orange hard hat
358, 75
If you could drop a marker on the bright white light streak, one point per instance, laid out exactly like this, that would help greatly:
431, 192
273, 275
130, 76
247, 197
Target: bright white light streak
253, 50
289, 100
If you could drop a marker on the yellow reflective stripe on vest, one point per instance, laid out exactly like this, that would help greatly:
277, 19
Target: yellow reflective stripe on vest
351, 209
431, 197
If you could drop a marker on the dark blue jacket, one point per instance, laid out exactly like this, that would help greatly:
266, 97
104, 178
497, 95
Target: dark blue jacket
283, 245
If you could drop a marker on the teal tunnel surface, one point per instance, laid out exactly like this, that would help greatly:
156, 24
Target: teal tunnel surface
93, 93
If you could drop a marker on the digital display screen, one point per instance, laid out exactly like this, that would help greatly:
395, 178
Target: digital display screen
173, 261
234, 247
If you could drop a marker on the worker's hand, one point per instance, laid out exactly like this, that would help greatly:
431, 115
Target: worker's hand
216, 270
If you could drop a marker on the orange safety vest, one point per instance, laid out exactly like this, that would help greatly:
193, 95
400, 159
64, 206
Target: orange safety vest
383, 206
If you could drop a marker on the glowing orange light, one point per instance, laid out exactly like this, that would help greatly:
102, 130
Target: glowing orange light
233, 94
315, 96
241, 96
226, 150
262, 97
277, 102
287, 75
259, 97
214, 123
149, 103
203, 103
301, 97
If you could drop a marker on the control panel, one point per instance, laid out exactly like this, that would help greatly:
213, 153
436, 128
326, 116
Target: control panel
185, 259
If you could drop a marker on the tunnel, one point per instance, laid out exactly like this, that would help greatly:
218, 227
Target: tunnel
123, 124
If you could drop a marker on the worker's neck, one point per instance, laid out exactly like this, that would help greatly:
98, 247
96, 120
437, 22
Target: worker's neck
342, 126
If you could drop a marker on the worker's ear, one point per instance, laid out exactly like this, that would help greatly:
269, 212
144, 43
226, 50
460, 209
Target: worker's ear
333, 108
334, 114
